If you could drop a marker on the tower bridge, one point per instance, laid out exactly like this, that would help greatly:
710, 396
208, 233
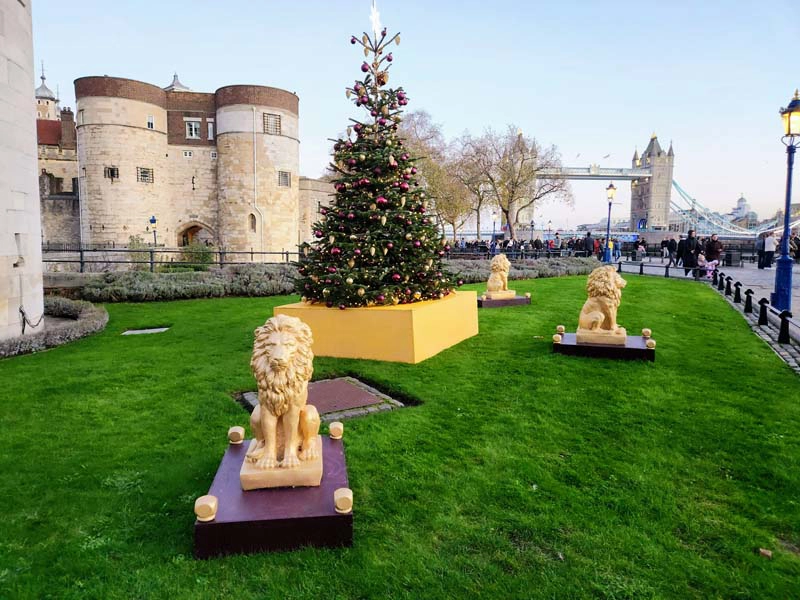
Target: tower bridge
651, 199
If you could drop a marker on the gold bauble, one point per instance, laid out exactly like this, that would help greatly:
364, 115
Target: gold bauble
383, 220
408, 236
388, 142
326, 292
331, 239
353, 237
417, 295
402, 201
362, 157
351, 263
373, 206
372, 251
395, 300
349, 281
385, 251
360, 291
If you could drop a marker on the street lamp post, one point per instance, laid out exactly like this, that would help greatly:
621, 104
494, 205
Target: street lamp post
533, 224
781, 298
494, 218
153, 222
549, 228
611, 191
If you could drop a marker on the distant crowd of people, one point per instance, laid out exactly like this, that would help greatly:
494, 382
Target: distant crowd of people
698, 256
766, 246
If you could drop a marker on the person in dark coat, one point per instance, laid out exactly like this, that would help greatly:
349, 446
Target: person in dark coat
691, 249
713, 251
672, 250
679, 251
588, 243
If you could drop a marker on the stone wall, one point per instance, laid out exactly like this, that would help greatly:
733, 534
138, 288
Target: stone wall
20, 230
61, 219
61, 163
113, 132
313, 194
195, 204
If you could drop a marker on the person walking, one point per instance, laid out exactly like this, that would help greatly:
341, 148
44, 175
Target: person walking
690, 252
713, 250
681, 246
760, 250
769, 249
672, 249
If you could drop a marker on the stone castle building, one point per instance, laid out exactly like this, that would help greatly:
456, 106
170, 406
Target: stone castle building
20, 235
650, 197
220, 168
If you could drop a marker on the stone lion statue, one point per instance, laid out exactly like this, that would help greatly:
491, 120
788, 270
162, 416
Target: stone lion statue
282, 423
599, 313
498, 280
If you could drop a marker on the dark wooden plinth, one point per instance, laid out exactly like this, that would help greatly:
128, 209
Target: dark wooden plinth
634, 349
515, 301
274, 519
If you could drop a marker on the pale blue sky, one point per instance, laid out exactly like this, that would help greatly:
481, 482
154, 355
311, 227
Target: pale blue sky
593, 78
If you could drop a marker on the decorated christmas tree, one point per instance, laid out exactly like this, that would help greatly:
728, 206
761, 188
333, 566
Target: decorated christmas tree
377, 244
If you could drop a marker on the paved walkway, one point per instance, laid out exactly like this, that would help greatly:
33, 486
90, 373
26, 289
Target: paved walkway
762, 282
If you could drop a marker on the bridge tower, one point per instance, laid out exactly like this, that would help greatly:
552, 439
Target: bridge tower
650, 197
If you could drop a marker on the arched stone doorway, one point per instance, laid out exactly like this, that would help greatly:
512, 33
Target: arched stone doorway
196, 232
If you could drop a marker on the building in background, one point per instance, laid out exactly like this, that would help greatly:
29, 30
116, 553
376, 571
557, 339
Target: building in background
20, 234
173, 166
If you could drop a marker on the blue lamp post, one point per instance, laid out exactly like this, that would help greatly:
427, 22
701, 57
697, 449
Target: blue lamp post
153, 222
611, 191
781, 298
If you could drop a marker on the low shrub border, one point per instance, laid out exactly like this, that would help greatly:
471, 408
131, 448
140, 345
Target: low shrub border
86, 320
278, 279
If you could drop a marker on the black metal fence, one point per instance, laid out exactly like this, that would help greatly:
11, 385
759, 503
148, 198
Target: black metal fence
154, 258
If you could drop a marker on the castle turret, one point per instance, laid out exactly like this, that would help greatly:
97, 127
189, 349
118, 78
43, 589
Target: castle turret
258, 170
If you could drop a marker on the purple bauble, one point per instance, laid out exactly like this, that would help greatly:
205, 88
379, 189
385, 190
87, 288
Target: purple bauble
389, 57
357, 251
373, 112
351, 162
417, 243
400, 95
353, 40
364, 67
404, 186
381, 200
336, 251
381, 121
342, 307
390, 245
413, 170
351, 216
396, 277
380, 298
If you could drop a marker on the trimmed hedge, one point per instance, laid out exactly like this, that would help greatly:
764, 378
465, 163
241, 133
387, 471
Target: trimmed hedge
278, 279
234, 280
86, 320
476, 271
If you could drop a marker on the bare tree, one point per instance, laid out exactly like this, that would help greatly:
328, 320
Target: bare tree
424, 138
467, 168
510, 166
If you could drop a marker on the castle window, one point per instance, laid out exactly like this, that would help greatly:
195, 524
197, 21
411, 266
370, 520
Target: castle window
252, 220
272, 124
213, 155
111, 173
144, 175
80, 117
151, 122
188, 154
210, 130
284, 179
193, 130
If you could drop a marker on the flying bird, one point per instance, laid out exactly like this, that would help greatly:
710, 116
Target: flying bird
606, 156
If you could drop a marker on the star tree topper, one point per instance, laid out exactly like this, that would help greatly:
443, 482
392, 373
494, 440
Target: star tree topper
375, 19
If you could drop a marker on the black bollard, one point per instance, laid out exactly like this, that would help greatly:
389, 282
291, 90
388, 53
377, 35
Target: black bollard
619, 268
737, 296
762, 313
714, 277
721, 282
783, 334
728, 290
748, 301
666, 271
641, 268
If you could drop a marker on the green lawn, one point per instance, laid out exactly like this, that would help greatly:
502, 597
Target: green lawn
522, 475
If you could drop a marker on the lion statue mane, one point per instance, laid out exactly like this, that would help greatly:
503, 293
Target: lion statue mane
498, 280
283, 423
599, 313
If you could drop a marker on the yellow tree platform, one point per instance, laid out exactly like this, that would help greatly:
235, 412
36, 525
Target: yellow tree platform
407, 333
